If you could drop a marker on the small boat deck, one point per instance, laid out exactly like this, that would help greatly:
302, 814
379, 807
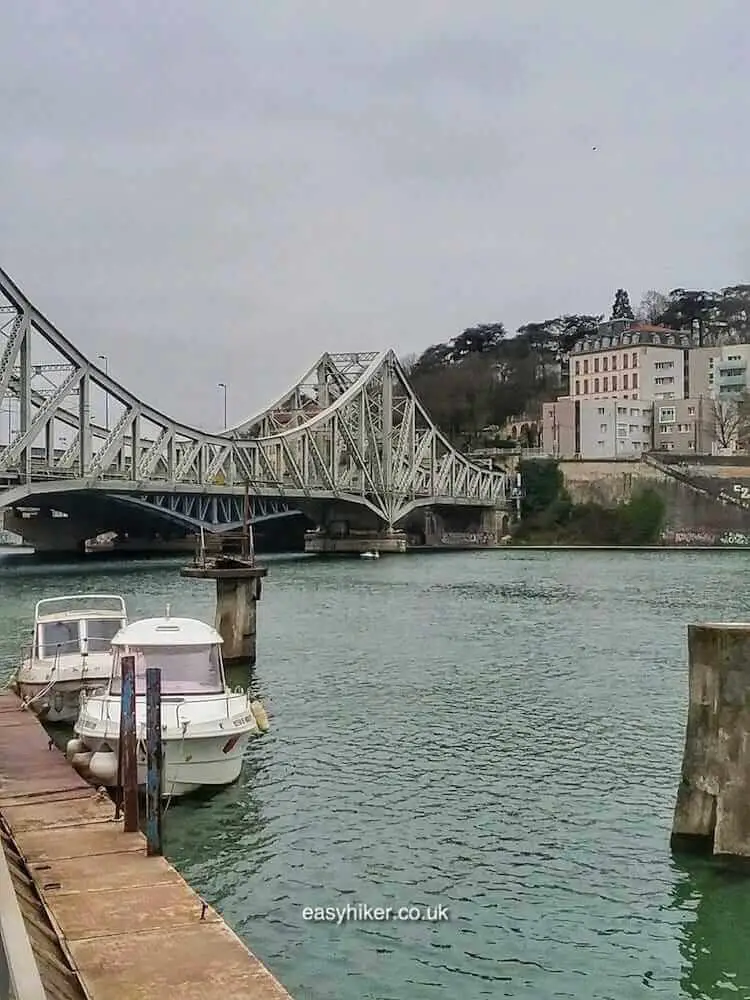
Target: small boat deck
105, 921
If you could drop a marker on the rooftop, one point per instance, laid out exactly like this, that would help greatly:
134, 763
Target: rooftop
637, 335
167, 632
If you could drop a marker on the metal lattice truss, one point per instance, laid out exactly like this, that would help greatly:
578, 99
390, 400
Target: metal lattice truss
351, 430
218, 512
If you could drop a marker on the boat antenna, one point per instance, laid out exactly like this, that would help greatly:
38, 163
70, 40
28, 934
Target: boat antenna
167, 614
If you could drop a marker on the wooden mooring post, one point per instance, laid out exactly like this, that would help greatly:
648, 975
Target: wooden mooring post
154, 762
127, 755
713, 800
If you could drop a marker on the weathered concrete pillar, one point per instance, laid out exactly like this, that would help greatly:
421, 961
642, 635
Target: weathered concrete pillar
713, 799
238, 590
236, 615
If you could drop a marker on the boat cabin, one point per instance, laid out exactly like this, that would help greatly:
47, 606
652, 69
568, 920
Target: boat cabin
186, 651
78, 624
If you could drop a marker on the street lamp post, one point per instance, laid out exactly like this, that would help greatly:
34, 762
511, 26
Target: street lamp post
222, 385
105, 359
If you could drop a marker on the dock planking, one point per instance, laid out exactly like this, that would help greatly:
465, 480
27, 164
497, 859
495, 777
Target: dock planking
128, 925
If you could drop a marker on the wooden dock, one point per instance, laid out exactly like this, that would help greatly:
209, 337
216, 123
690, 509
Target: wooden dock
105, 921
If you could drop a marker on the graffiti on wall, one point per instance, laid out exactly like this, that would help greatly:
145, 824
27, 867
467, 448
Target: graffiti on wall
739, 495
734, 538
697, 537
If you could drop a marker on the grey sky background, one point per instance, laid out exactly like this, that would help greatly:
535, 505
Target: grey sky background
216, 192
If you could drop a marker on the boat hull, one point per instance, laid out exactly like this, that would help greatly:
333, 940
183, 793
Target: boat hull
188, 764
203, 740
56, 703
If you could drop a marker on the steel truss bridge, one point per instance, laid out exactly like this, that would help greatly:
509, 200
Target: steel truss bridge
351, 433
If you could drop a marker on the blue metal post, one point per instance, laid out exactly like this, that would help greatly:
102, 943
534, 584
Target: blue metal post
128, 755
155, 762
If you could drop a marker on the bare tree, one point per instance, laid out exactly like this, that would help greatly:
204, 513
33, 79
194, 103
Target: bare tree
731, 423
652, 306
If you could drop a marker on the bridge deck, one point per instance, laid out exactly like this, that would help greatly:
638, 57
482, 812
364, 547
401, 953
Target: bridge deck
120, 925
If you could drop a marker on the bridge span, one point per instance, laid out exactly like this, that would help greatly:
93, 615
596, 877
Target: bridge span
349, 447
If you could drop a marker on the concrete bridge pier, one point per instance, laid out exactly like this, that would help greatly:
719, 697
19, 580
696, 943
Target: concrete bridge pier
49, 532
712, 812
465, 527
353, 541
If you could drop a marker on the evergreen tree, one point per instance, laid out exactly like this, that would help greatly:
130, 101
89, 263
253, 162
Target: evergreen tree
622, 308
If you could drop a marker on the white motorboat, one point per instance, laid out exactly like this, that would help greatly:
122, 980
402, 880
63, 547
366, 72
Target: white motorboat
370, 555
205, 724
71, 652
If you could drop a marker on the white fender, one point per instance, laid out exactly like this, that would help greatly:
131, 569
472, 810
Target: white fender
74, 746
259, 714
103, 766
81, 761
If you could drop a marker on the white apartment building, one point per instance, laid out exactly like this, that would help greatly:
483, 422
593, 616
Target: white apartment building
630, 362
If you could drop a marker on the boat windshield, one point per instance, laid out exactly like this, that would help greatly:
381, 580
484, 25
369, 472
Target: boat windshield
59, 638
101, 632
56, 638
185, 670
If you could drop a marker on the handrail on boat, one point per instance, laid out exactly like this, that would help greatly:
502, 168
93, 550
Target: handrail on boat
83, 597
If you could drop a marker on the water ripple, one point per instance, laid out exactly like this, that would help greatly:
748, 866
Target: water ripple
498, 733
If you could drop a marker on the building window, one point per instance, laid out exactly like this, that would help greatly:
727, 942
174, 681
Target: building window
578, 367
666, 414
625, 381
603, 428
691, 444
622, 411
596, 385
578, 388
622, 430
664, 380
683, 428
635, 360
634, 395
614, 383
600, 411
614, 362
634, 380
663, 364
586, 366
665, 429
691, 411
606, 383
596, 364
625, 360
605, 364
585, 382
646, 428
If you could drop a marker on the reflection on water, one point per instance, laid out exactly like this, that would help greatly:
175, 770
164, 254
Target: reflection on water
498, 732
715, 906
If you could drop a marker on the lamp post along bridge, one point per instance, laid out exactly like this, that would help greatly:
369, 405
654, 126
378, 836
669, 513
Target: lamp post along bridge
349, 446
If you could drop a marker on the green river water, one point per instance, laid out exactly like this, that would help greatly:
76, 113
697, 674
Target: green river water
498, 732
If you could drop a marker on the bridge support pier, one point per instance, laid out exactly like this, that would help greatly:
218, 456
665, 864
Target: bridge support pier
328, 542
238, 590
712, 799
48, 533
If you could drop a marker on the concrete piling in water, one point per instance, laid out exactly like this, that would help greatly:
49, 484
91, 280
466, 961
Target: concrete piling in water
236, 613
238, 590
713, 800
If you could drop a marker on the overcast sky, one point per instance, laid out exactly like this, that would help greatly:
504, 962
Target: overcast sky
216, 192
